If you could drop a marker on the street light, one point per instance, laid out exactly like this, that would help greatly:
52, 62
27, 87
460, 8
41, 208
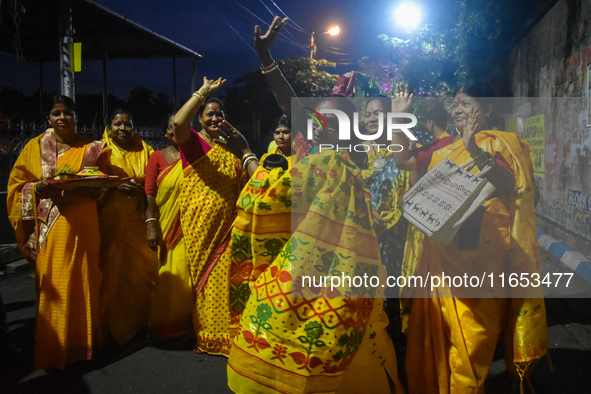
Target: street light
333, 31
407, 14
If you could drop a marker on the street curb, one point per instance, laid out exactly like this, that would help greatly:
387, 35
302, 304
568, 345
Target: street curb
567, 255
13, 268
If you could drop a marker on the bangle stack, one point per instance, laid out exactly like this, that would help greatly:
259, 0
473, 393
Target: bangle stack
151, 220
246, 159
199, 96
271, 67
482, 158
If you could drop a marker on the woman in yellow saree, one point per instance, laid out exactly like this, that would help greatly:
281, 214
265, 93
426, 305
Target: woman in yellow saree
293, 339
282, 138
172, 303
58, 233
209, 190
450, 336
314, 221
129, 265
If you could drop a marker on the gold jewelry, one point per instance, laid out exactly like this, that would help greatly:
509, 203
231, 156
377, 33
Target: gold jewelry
480, 152
483, 159
270, 66
275, 67
247, 155
199, 96
151, 220
207, 137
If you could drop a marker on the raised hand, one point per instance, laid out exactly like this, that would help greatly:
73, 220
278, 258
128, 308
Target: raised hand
210, 86
263, 43
402, 101
469, 133
235, 141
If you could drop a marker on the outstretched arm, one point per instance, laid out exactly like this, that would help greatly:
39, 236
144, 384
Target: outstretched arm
281, 89
183, 118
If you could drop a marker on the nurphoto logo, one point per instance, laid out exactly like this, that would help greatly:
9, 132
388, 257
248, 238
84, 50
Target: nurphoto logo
316, 120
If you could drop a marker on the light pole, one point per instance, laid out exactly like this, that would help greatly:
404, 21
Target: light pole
333, 31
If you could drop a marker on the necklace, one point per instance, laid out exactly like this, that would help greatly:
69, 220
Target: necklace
206, 137
174, 153
380, 162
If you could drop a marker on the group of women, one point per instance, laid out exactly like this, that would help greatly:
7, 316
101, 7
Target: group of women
202, 235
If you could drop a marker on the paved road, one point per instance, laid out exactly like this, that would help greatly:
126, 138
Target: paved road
149, 366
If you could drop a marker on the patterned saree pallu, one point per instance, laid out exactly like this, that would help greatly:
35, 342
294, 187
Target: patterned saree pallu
295, 339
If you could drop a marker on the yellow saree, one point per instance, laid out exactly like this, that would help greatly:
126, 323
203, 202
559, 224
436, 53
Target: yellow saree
208, 204
297, 340
172, 303
453, 339
129, 266
60, 237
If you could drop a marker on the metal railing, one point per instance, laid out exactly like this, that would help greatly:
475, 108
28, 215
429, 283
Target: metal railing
14, 137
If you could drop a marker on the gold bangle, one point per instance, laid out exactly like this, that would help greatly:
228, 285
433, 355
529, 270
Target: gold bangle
480, 152
199, 96
247, 155
151, 220
488, 159
269, 67
275, 67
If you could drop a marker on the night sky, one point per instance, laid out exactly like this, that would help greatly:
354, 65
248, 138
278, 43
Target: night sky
223, 31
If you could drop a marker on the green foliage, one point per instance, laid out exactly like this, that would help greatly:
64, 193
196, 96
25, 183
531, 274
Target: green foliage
434, 59
426, 60
307, 77
487, 30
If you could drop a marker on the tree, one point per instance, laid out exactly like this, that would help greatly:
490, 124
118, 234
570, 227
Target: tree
426, 60
477, 44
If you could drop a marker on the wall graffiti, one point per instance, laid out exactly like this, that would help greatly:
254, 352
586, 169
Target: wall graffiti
535, 135
579, 200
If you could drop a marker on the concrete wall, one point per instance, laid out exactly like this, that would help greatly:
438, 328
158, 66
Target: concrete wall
551, 61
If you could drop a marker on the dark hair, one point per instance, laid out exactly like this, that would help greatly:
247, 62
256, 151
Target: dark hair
65, 100
283, 121
438, 115
383, 99
167, 120
496, 121
275, 160
211, 100
121, 111
484, 94
480, 90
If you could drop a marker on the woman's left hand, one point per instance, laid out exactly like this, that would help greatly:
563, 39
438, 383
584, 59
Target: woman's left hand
236, 142
131, 188
402, 101
469, 134
210, 86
